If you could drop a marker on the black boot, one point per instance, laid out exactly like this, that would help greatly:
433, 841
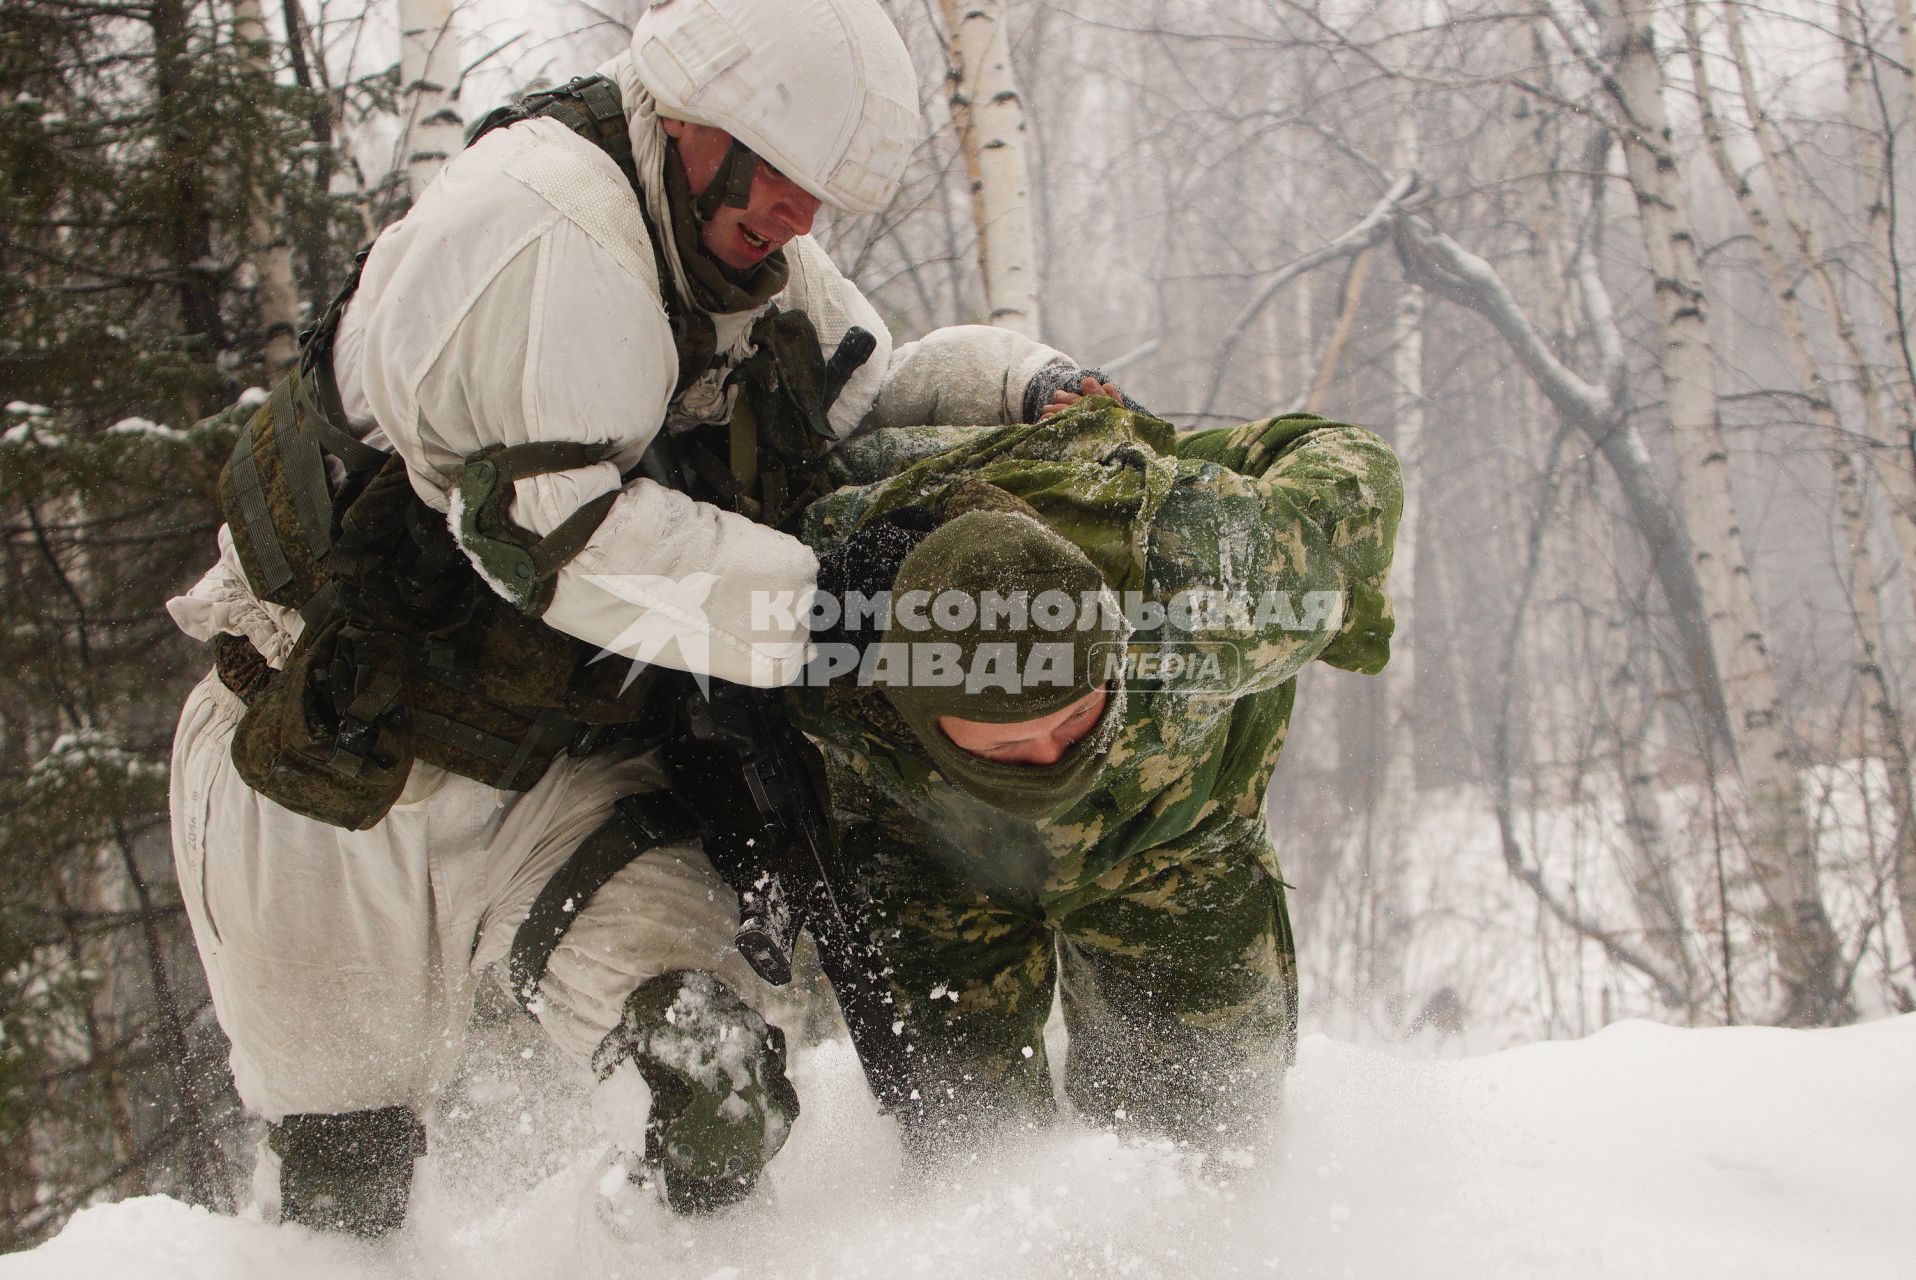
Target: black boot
349, 1172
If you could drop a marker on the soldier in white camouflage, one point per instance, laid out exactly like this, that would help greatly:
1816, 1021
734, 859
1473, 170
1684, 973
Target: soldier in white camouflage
1102, 835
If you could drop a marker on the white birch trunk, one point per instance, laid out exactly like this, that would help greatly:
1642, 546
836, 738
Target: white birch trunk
1558, 707
1896, 463
1779, 847
1883, 720
268, 246
1899, 479
1778, 273
990, 118
1394, 811
1333, 357
1893, 455
428, 89
1906, 27
1407, 432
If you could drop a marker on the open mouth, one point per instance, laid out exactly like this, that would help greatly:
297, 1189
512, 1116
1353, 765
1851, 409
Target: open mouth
753, 239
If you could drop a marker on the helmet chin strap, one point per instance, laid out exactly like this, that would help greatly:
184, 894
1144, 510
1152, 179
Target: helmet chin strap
732, 184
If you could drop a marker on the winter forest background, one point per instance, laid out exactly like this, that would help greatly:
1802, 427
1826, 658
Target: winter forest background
1627, 288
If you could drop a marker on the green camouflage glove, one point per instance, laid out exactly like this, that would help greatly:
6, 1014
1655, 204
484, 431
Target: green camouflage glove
721, 1105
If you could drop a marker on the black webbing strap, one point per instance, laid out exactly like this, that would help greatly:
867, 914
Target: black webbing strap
548, 734
542, 457
324, 423
732, 183
590, 107
641, 823
719, 484
317, 390
318, 608
316, 344
494, 750
302, 440
554, 551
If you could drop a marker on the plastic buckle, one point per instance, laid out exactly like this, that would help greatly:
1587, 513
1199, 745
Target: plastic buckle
353, 746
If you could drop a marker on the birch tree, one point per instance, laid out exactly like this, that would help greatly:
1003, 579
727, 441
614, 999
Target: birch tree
1397, 802
989, 116
1780, 849
1889, 399
1882, 715
428, 89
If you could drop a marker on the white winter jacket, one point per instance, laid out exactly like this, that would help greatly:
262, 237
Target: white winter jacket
519, 301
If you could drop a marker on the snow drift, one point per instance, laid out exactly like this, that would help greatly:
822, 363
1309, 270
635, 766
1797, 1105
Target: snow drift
1642, 1151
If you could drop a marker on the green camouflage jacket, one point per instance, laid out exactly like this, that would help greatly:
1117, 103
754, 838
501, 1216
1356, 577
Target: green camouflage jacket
1244, 551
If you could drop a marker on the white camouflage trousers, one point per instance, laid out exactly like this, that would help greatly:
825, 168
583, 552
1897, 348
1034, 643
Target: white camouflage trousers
343, 964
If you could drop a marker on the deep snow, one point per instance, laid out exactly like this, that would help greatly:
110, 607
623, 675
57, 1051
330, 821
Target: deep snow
1642, 1151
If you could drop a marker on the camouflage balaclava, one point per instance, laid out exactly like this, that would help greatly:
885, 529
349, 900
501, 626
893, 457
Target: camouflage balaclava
1011, 663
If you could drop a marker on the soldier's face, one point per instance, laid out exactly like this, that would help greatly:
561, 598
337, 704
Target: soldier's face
1042, 741
779, 208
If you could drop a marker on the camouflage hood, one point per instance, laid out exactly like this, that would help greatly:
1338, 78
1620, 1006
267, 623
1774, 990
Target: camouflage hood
1095, 478
968, 591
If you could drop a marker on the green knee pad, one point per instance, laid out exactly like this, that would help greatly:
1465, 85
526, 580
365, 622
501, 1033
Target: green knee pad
350, 1172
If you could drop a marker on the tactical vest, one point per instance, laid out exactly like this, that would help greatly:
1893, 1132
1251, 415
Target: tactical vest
407, 653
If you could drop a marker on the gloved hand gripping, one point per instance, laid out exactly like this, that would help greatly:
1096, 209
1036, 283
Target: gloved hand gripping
721, 1105
865, 564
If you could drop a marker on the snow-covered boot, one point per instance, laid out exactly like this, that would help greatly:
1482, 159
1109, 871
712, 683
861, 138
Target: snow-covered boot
350, 1172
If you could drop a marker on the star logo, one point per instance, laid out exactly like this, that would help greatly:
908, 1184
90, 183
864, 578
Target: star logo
670, 629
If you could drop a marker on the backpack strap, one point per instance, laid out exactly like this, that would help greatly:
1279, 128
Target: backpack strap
305, 418
590, 106
587, 105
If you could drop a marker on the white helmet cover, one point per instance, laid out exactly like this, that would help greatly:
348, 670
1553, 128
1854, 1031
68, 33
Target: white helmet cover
824, 90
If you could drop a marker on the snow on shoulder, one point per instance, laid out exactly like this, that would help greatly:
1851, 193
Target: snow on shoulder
1643, 1151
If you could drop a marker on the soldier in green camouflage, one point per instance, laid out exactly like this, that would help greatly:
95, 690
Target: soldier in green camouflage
1102, 834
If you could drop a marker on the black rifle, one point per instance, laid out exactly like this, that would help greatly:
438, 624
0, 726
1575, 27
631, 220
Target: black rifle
759, 787
737, 761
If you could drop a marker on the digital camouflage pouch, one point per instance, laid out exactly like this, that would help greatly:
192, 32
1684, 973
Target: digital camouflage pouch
329, 737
